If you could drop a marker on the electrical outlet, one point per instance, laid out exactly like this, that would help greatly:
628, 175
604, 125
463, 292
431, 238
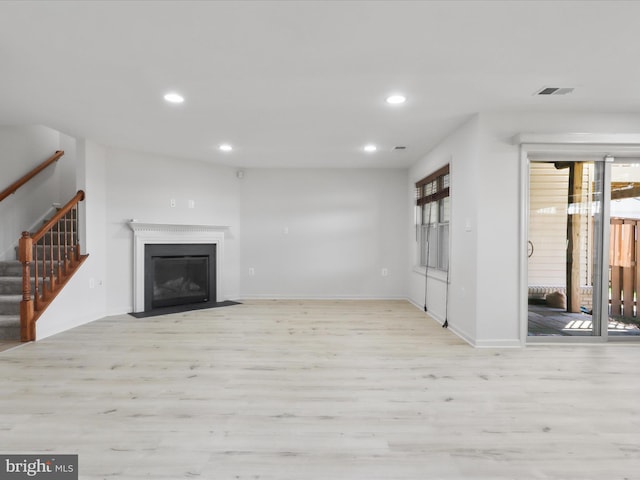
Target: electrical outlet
172, 202
384, 272
192, 204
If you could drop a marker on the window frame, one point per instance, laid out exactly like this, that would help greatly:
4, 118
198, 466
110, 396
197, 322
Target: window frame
433, 190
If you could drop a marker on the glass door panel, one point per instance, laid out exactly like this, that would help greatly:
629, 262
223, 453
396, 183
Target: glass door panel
564, 279
624, 249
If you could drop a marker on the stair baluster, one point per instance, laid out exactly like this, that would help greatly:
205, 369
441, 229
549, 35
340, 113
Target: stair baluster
67, 245
27, 329
52, 276
37, 289
29, 250
59, 259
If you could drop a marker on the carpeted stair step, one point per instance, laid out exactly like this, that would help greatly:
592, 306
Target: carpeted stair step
13, 285
10, 269
10, 304
14, 269
10, 327
10, 285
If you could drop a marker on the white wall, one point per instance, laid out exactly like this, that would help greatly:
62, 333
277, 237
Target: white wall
66, 169
328, 233
342, 226
140, 186
485, 285
24, 148
82, 167
84, 298
460, 150
498, 242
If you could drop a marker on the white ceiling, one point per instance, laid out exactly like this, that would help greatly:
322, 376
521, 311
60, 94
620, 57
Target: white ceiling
303, 83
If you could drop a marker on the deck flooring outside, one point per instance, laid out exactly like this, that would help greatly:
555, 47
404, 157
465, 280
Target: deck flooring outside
547, 321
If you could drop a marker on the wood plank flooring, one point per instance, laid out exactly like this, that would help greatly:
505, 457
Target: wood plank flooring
318, 390
7, 344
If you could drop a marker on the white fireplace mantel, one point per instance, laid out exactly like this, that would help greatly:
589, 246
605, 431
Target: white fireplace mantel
154, 233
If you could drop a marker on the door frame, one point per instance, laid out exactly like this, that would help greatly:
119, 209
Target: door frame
593, 147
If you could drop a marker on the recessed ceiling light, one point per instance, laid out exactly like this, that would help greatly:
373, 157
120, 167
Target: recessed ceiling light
396, 99
370, 148
225, 147
174, 98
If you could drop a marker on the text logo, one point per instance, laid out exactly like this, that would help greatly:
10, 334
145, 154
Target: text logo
50, 467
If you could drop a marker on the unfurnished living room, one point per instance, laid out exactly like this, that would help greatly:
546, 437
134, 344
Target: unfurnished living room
297, 240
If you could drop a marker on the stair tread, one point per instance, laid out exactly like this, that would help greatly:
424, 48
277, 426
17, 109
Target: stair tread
9, 320
9, 328
10, 298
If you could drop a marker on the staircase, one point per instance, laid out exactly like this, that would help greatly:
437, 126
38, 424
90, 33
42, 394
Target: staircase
10, 297
45, 261
11, 286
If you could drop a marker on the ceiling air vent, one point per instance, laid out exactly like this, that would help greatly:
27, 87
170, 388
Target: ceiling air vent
399, 148
554, 91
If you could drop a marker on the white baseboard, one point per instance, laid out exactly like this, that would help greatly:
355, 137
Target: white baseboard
440, 320
491, 343
463, 335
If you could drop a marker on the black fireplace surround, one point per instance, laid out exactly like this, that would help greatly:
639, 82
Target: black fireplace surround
179, 274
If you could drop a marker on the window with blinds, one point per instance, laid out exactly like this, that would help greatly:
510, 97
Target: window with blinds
432, 200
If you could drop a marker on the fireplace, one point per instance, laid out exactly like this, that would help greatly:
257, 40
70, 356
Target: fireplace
179, 274
190, 238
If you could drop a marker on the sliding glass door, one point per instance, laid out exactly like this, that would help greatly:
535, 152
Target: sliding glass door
583, 238
624, 248
565, 244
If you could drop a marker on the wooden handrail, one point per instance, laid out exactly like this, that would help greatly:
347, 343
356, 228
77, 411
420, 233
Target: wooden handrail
58, 216
54, 253
17, 184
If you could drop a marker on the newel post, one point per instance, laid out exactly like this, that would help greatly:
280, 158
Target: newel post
27, 323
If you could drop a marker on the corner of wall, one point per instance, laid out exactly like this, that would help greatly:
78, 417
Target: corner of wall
461, 149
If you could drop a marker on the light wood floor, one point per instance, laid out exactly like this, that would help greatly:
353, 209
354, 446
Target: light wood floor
7, 344
322, 390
